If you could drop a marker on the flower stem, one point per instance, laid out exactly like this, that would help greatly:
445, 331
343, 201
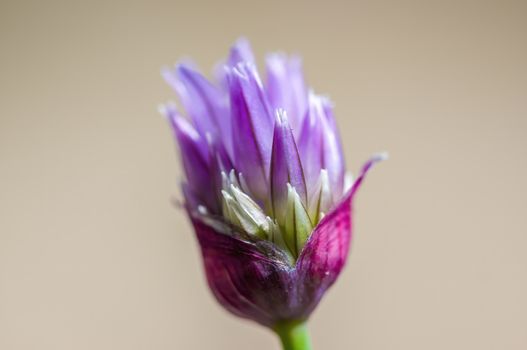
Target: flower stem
294, 335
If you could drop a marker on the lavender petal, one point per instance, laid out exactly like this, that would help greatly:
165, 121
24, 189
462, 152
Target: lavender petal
286, 167
286, 87
252, 128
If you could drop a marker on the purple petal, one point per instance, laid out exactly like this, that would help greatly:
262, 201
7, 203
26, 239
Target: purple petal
194, 157
191, 200
333, 156
205, 104
252, 128
286, 87
286, 167
329, 115
183, 129
320, 146
311, 141
241, 52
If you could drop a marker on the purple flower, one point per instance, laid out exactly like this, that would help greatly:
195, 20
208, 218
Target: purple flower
265, 185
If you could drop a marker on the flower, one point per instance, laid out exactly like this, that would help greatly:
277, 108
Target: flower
265, 184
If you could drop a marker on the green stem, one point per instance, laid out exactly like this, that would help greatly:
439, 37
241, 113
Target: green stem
294, 335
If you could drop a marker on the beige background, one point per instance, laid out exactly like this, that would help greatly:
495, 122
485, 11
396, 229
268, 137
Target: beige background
93, 256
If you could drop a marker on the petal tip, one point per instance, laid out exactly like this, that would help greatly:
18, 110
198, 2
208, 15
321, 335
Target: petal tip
378, 157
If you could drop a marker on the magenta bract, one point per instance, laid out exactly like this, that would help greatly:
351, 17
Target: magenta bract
253, 279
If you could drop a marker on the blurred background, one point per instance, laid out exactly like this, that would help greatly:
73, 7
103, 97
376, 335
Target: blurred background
94, 256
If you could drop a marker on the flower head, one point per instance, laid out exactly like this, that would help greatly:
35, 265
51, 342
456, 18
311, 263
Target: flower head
265, 184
